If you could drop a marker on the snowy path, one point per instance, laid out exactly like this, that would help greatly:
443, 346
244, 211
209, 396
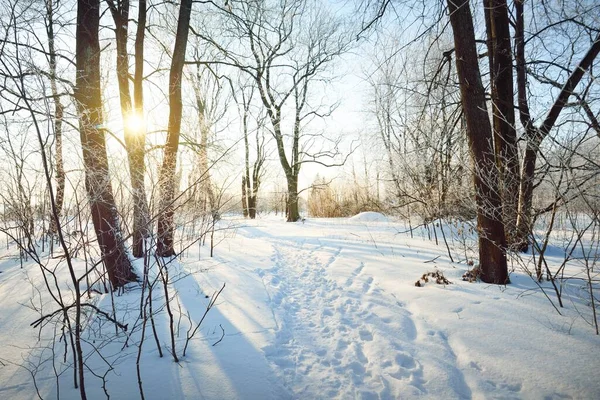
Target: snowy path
340, 338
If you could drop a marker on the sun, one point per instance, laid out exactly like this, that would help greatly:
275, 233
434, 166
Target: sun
135, 123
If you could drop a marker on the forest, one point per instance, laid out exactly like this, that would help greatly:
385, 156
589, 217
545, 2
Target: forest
272, 199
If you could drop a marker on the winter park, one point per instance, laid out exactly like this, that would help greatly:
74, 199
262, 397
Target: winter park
299, 199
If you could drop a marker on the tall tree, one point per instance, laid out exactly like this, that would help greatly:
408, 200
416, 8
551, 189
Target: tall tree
132, 113
202, 192
503, 110
166, 223
97, 180
58, 112
492, 241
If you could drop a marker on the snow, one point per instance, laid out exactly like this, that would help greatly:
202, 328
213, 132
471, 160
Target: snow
370, 216
319, 310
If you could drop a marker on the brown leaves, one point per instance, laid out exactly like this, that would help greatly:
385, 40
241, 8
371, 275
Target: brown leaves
435, 276
472, 275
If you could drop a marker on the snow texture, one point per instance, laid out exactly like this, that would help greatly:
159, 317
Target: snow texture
326, 309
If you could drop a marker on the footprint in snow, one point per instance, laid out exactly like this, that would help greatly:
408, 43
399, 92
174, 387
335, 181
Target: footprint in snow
327, 313
367, 285
365, 335
475, 366
360, 355
405, 361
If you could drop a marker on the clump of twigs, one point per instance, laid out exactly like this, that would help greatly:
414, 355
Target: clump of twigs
435, 277
472, 275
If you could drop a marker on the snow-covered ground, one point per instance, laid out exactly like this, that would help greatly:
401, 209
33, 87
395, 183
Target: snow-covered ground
317, 310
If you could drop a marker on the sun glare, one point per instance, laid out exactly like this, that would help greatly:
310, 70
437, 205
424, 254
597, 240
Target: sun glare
135, 123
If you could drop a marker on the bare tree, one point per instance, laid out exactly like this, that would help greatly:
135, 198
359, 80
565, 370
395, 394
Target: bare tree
58, 111
89, 106
210, 105
503, 109
251, 181
167, 181
492, 241
132, 114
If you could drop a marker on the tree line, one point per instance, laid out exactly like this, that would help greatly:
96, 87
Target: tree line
272, 60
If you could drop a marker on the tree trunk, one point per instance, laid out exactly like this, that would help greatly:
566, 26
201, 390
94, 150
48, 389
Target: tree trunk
251, 182
253, 198
492, 241
136, 148
252, 206
246, 189
205, 185
134, 138
244, 198
166, 223
97, 179
58, 117
293, 212
505, 136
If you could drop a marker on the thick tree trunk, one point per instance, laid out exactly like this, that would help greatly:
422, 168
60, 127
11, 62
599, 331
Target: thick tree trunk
505, 136
166, 223
291, 171
97, 179
58, 117
293, 212
252, 206
492, 241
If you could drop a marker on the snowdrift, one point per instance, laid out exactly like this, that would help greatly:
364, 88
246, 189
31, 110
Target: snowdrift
370, 216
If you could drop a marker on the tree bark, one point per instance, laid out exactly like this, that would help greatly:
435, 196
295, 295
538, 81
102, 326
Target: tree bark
293, 212
492, 241
58, 117
166, 223
244, 198
252, 206
246, 189
505, 136
291, 171
97, 179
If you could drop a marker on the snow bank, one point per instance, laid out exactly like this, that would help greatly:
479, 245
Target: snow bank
370, 216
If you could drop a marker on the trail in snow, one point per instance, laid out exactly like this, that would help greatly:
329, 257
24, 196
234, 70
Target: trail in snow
334, 339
